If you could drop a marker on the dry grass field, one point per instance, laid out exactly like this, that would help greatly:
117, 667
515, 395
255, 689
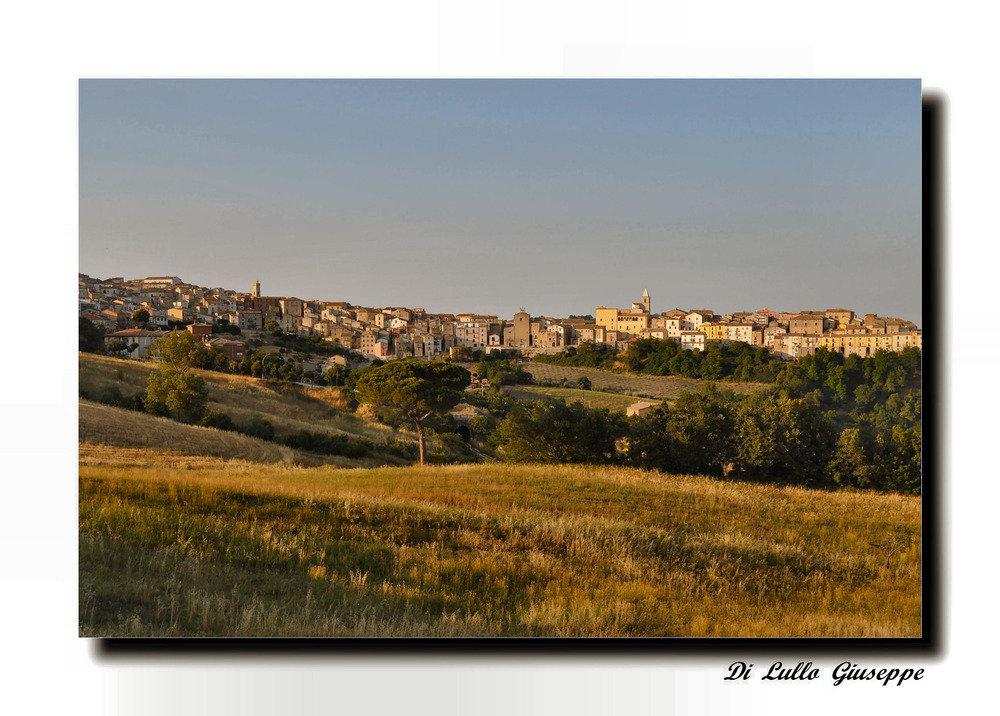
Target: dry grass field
665, 386
105, 425
178, 546
289, 408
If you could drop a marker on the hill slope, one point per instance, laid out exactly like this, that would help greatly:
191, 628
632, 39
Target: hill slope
289, 408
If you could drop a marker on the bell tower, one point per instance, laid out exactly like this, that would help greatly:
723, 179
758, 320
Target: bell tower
645, 299
255, 289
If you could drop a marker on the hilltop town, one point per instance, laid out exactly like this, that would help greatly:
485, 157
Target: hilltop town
389, 333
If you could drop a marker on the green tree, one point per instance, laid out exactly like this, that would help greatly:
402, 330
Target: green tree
141, 318
854, 462
557, 433
221, 325
905, 460
336, 375
417, 389
262, 363
650, 444
180, 352
502, 372
588, 355
712, 366
700, 430
217, 359
174, 388
865, 397
91, 337
783, 440
183, 395
481, 424
117, 347
291, 372
584, 383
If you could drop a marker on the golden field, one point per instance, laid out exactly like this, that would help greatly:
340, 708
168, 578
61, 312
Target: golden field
175, 545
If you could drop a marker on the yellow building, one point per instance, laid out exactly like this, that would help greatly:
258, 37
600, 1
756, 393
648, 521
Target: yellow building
713, 331
623, 321
867, 343
627, 322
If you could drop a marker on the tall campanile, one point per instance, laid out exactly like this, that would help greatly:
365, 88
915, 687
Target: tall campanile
645, 300
255, 289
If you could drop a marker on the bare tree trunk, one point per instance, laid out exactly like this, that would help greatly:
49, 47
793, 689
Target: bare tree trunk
420, 438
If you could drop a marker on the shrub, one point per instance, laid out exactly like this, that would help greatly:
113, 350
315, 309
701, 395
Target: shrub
330, 444
136, 401
109, 395
258, 426
401, 448
217, 419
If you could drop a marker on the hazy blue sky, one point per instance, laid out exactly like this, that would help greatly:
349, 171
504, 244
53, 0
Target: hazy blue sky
488, 195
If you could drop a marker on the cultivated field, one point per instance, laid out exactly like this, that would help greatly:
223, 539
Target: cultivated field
658, 386
615, 402
177, 546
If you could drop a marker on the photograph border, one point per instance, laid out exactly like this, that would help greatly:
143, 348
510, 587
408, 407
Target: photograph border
933, 132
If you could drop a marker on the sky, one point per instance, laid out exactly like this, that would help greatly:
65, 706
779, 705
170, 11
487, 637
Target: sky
491, 195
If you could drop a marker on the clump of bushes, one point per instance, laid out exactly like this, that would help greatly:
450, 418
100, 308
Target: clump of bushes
401, 448
257, 426
450, 445
112, 395
219, 420
330, 444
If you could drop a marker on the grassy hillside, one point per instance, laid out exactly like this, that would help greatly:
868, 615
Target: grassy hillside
175, 546
109, 426
290, 408
666, 386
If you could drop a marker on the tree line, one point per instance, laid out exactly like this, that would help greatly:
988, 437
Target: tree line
827, 422
652, 356
737, 361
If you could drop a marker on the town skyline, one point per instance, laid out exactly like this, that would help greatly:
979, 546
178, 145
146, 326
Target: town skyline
496, 193
474, 310
134, 313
